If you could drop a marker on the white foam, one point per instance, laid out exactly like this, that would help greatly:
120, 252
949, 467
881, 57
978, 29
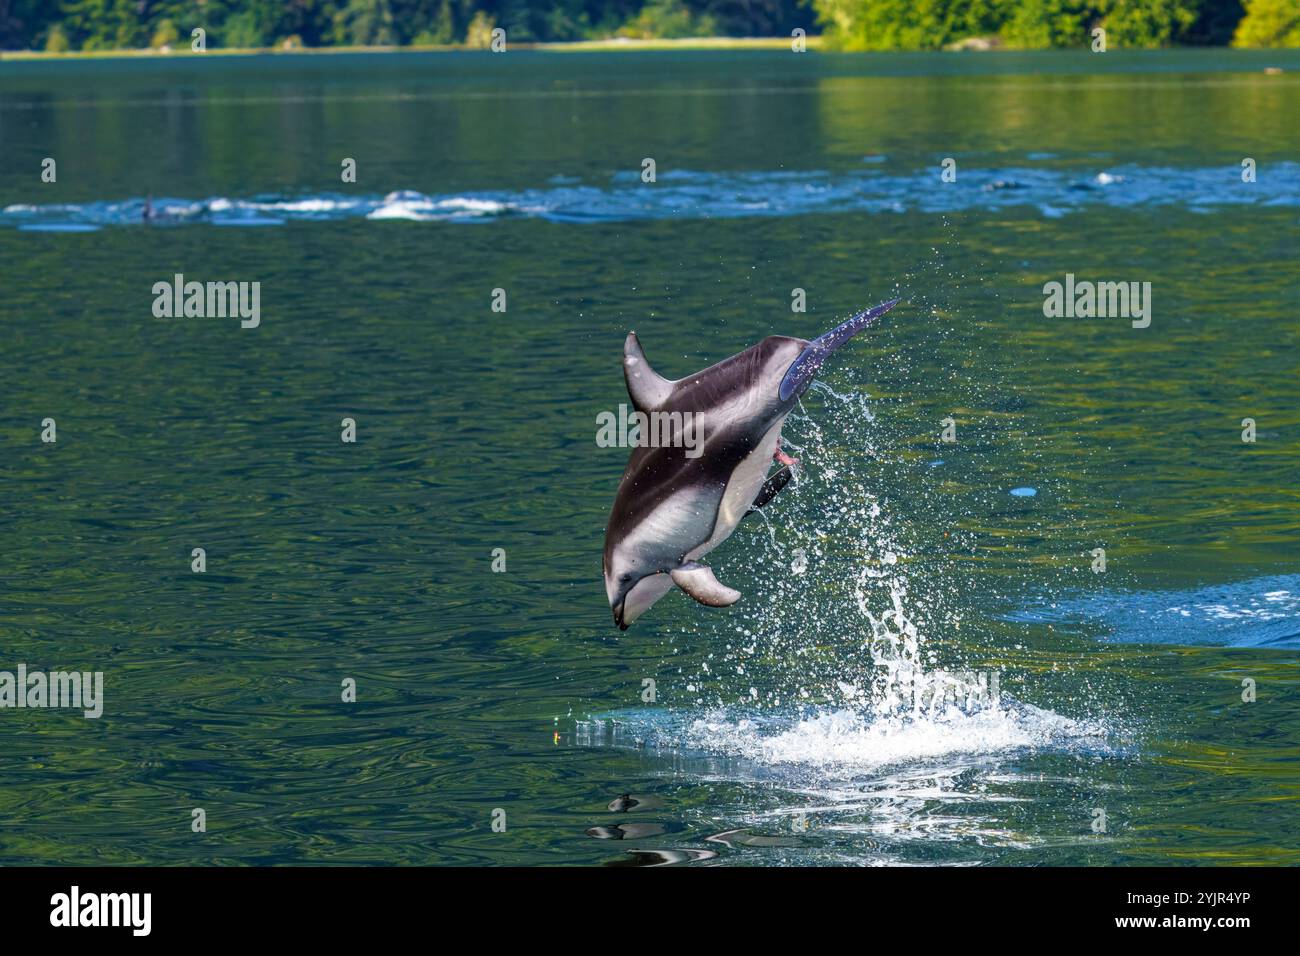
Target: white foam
308, 205
469, 204
399, 211
848, 740
424, 209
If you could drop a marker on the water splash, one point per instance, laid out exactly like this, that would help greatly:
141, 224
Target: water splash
837, 697
838, 667
838, 743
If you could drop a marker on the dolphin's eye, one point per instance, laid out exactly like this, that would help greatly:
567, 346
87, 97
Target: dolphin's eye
625, 577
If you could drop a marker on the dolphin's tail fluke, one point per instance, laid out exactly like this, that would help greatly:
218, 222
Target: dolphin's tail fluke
801, 373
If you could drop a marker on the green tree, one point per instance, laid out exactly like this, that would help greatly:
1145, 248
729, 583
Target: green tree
906, 24
1033, 24
56, 41
165, 34
102, 24
478, 35
1147, 23
756, 17
441, 31
366, 23
849, 24
668, 19
1269, 23
1038, 24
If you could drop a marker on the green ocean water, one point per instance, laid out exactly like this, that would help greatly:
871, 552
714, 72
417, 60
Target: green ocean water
479, 691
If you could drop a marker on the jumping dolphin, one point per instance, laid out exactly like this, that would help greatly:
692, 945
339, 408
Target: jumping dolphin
679, 499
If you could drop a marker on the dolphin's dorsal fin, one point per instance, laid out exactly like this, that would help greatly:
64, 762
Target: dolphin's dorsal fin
698, 581
647, 387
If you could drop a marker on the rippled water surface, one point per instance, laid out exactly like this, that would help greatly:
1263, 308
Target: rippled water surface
925, 667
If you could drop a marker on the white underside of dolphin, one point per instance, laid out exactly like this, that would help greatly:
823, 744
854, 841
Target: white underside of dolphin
695, 579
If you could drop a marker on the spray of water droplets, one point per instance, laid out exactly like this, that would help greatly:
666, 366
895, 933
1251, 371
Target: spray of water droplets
844, 653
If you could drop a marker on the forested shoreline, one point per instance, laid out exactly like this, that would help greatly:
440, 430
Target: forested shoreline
101, 25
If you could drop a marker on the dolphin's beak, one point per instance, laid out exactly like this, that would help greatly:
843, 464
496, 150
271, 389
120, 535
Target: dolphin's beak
801, 372
618, 615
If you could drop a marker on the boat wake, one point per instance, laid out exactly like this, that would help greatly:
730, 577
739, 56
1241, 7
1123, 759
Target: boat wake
687, 194
1262, 612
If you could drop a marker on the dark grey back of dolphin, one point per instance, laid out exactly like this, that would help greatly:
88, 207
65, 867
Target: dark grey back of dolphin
653, 474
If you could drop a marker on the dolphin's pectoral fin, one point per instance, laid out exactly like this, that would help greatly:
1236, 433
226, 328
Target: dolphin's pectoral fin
699, 582
770, 489
647, 388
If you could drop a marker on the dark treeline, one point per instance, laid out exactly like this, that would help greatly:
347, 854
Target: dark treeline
125, 24
60, 25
